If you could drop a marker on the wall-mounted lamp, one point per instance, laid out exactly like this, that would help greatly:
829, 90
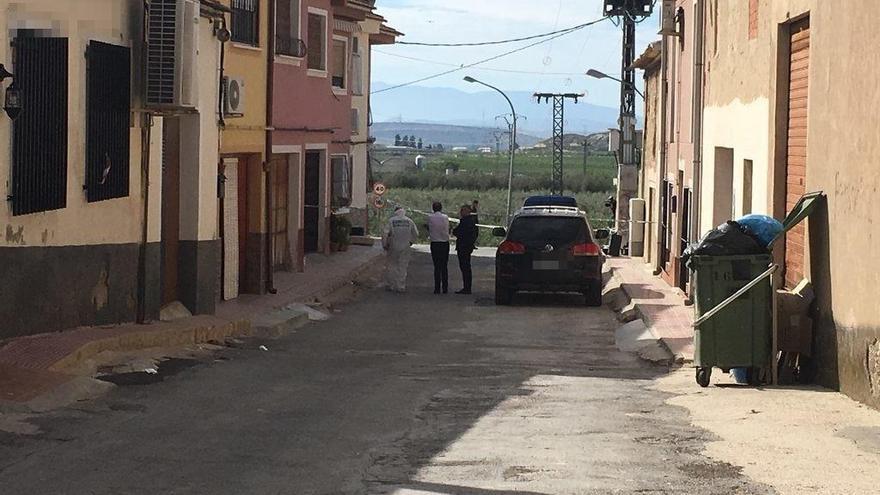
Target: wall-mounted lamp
12, 104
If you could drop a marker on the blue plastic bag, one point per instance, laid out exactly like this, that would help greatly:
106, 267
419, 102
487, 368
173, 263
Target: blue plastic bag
761, 227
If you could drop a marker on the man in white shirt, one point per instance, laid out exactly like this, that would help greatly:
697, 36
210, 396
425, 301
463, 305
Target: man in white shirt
438, 231
400, 233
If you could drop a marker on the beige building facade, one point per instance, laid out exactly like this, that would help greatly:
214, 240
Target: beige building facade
791, 107
70, 249
650, 173
87, 222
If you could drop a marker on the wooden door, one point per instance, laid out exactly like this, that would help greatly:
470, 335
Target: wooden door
170, 209
243, 225
796, 157
279, 214
312, 201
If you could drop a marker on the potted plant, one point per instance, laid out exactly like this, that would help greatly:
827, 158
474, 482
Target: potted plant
341, 233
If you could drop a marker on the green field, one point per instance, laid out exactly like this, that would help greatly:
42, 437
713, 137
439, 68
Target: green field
526, 163
484, 178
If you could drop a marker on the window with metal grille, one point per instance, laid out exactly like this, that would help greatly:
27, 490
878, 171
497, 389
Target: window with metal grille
108, 107
339, 63
246, 21
287, 30
39, 135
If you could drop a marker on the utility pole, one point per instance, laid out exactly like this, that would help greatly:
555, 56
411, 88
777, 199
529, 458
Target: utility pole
585, 156
628, 11
557, 187
498, 135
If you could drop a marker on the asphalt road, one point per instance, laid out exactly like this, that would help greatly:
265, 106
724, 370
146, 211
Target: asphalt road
397, 394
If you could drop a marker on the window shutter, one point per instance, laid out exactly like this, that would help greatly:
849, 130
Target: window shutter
357, 74
316, 44
108, 106
39, 135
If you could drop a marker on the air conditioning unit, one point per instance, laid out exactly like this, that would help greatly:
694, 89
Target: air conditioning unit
667, 19
172, 54
233, 97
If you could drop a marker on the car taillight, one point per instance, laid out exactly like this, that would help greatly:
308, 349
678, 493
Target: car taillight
511, 247
588, 249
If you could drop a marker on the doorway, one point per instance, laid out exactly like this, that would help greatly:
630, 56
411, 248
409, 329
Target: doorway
243, 223
170, 209
665, 198
796, 155
686, 223
280, 212
229, 218
312, 201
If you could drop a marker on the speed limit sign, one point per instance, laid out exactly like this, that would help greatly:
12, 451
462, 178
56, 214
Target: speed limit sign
379, 189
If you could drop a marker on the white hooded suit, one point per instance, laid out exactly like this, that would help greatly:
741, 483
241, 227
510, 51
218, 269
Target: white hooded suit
400, 233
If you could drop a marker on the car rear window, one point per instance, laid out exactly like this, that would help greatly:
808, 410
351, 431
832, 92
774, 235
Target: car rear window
559, 230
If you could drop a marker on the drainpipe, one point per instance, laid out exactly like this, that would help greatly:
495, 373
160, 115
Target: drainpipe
146, 136
267, 164
697, 118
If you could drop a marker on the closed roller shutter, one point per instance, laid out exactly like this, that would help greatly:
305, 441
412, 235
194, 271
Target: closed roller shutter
796, 158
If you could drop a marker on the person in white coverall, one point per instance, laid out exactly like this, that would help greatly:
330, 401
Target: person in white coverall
399, 235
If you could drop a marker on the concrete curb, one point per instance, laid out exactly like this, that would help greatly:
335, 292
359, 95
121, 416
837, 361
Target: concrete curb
57, 361
627, 311
204, 329
279, 323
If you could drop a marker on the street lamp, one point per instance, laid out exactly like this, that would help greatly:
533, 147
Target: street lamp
601, 75
12, 105
512, 144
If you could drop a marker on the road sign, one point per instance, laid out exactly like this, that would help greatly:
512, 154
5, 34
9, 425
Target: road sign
379, 189
378, 203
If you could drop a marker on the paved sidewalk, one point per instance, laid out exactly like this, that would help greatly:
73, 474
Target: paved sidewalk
660, 306
323, 274
37, 364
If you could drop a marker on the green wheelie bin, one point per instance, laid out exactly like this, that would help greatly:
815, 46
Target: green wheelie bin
739, 335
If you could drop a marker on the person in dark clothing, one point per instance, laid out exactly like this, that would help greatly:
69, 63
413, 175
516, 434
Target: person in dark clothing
466, 242
438, 232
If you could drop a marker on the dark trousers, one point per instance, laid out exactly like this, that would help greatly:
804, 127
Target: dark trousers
464, 262
440, 255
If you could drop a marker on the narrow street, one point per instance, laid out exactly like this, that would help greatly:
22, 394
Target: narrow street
397, 394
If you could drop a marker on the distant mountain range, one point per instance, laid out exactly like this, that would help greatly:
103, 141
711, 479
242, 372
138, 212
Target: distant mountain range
447, 106
447, 135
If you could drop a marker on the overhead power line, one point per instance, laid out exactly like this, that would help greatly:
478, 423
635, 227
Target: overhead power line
494, 69
490, 59
500, 42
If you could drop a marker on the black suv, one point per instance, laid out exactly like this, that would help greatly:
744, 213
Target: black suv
549, 248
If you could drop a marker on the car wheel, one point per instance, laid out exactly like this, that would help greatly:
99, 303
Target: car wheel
503, 295
593, 295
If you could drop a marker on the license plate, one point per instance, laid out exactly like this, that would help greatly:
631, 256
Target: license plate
545, 265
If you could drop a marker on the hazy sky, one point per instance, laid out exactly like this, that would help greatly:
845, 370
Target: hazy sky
555, 66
